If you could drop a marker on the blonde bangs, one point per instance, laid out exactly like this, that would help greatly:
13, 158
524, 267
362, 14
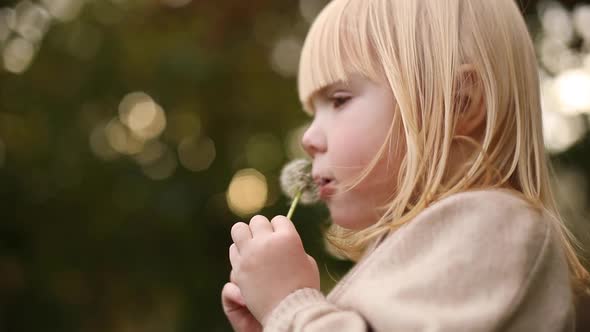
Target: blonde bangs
336, 47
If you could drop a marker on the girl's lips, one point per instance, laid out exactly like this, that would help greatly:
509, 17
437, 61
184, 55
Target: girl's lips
327, 190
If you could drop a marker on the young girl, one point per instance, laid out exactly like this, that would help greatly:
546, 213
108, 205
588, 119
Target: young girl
427, 146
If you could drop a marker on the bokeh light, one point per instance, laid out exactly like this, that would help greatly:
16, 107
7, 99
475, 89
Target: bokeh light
7, 22
32, 21
100, 145
573, 87
581, 17
18, 55
196, 154
64, 10
122, 139
556, 21
247, 192
561, 131
23, 28
285, 56
142, 115
565, 80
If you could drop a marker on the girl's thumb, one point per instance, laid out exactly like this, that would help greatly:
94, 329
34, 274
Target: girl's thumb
311, 260
231, 295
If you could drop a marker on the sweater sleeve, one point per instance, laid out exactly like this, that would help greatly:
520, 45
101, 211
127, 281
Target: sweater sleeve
476, 261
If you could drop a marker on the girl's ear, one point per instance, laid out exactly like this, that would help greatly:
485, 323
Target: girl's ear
471, 117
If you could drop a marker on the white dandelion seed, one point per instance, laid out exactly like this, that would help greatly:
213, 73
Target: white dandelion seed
297, 183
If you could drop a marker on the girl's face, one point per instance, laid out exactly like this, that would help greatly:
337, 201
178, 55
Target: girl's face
350, 123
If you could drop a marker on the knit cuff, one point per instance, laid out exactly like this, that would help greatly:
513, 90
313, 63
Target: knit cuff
282, 315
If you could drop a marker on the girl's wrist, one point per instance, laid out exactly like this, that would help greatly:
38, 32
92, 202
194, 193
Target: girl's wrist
291, 304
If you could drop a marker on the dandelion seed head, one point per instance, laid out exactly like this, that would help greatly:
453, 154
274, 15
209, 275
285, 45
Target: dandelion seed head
295, 176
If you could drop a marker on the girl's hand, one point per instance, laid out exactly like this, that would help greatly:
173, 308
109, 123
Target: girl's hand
236, 311
269, 263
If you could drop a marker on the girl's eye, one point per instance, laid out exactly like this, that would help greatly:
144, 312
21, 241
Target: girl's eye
338, 101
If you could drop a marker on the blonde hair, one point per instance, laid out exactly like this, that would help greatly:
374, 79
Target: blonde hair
418, 49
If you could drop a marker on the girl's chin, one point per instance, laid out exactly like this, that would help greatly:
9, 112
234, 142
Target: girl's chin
348, 219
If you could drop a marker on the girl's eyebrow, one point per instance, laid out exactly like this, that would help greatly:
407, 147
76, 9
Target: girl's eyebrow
322, 92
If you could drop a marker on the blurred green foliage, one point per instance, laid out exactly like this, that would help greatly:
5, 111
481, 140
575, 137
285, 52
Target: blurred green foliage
88, 244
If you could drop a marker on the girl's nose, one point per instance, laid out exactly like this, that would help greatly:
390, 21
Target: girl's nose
313, 140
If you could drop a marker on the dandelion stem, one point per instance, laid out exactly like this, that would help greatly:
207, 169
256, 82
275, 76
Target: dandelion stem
294, 204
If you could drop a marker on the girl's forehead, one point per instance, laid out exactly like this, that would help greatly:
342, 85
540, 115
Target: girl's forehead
333, 86
352, 81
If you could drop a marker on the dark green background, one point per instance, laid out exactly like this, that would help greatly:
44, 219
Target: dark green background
93, 245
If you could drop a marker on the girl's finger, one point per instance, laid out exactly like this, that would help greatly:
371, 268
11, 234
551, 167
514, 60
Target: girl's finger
234, 256
231, 297
232, 277
313, 264
311, 260
282, 224
259, 225
240, 233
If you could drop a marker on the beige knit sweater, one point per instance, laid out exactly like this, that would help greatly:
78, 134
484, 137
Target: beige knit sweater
475, 261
